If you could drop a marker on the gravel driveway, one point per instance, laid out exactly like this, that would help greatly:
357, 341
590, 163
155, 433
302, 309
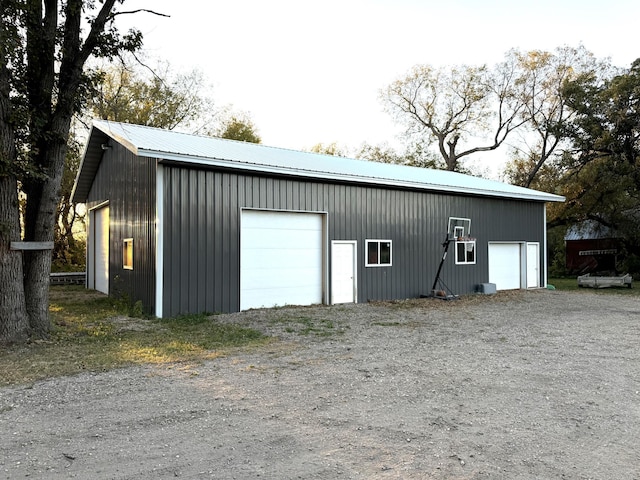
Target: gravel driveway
523, 385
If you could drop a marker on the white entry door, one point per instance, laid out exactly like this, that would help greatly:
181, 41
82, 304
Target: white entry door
343, 272
100, 250
281, 258
533, 265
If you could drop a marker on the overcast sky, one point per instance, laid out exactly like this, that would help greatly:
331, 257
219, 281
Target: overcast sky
311, 71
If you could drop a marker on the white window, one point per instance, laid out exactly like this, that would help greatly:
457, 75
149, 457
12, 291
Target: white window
465, 251
378, 253
127, 254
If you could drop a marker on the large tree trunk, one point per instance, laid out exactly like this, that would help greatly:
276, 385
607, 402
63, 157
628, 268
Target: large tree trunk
27, 72
37, 265
14, 322
36, 291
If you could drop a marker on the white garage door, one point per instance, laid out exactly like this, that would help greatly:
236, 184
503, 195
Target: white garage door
280, 259
504, 265
101, 250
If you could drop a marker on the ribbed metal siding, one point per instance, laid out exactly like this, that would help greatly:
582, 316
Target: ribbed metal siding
492, 220
201, 242
202, 233
128, 183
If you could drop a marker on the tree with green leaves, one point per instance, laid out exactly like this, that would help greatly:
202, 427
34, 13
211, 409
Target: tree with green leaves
600, 173
605, 137
237, 126
43, 84
541, 77
155, 97
415, 155
329, 149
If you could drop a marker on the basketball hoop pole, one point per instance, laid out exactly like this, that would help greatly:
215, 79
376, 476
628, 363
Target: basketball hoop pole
457, 228
445, 245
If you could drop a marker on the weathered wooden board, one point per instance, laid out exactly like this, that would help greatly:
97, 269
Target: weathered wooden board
605, 282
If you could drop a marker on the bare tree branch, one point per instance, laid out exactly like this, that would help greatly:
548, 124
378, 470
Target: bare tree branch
130, 12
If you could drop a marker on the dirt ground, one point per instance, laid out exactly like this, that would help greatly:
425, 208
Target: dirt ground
527, 385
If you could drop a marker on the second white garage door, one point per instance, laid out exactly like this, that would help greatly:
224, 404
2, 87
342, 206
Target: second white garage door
99, 263
505, 265
280, 259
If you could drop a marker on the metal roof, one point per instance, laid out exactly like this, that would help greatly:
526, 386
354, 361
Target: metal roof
193, 149
589, 230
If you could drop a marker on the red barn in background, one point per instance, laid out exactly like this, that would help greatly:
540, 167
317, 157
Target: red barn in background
591, 248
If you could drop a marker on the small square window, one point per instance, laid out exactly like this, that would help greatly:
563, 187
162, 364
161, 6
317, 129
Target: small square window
127, 254
466, 252
378, 253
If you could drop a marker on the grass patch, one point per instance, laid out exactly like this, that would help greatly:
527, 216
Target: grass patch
92, 332
308, 326
564, 283
571, 284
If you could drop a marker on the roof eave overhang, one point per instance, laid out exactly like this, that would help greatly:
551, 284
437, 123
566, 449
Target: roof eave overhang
362, 179
89, 162
91, 158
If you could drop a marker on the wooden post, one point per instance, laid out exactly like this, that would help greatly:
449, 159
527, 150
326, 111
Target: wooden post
31, 246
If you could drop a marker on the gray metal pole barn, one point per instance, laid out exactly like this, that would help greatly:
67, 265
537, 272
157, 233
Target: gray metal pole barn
180, 200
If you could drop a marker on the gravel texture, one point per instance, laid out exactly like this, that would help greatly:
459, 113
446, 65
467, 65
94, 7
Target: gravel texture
522, 385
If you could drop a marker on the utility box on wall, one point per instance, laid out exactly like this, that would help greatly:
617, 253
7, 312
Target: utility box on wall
487, 288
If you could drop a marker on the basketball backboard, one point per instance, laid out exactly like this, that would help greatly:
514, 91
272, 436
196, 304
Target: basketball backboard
458, 228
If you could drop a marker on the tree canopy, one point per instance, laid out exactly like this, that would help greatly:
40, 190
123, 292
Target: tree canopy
601, 170
542, 76
415, 155
463, 110
237, 126
329, 149
158, 97
598, 167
